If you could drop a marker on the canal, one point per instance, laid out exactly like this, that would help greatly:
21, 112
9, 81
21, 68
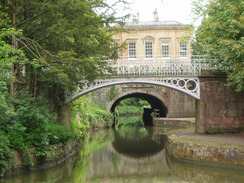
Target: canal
128, 154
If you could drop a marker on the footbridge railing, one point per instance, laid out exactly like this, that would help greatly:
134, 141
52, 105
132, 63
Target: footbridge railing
162, 66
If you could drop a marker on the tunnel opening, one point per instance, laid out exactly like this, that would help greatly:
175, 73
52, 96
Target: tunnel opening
155, 103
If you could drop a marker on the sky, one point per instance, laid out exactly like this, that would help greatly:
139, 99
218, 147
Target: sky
178, 10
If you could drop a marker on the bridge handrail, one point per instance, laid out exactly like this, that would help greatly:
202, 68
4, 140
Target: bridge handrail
158, 65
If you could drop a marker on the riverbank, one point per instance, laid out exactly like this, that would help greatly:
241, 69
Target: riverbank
219, 150
19, 162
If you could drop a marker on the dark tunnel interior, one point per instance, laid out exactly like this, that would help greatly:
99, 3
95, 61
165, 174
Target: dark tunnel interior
155, 102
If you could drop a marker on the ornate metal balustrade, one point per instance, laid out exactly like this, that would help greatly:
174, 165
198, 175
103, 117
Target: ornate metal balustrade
159, 66
188, 85
179, 73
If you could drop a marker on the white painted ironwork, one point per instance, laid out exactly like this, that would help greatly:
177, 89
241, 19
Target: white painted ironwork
161, 66
188, 85
179, 73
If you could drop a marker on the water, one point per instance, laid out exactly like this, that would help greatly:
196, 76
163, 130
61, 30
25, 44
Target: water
129, 154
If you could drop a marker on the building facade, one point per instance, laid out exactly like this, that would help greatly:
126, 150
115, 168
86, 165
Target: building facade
156, 39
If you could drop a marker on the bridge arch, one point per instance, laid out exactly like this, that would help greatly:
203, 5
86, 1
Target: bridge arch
187, 85
154, 101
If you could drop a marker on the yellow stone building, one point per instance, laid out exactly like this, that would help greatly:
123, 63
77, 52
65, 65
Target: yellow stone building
155, 39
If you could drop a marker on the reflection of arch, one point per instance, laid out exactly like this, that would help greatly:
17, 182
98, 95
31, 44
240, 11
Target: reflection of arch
138, 148
155, 102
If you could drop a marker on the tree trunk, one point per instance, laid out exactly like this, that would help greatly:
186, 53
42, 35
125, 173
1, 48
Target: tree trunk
14, 86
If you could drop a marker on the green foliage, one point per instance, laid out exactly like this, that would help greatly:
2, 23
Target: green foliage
86, 112
9, 55
221, 36
131, 106
47, 48
6, 108
31, 123
4, 152
131, 127
33, 113
60, 133
112, 93
64, 41
124, 123
27, 126
16, 135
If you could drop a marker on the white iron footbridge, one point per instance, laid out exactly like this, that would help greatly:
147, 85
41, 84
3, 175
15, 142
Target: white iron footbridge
174, 72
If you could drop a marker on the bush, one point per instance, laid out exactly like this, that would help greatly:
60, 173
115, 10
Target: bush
34, 115
29, 127
6, 108
86, 112
16, 136
4, 152
60, 133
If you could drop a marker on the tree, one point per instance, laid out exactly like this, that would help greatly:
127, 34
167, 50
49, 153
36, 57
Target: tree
221, 36
63, 40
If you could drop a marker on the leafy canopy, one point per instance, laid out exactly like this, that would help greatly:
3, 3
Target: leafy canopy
64, 40
221, 35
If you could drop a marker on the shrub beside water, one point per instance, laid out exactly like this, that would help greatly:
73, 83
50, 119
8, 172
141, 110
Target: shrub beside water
89, 114
4, 152
60, 133
27, 125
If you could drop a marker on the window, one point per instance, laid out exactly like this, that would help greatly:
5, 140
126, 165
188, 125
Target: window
132, 50
165, 49
148, 49
113, 45
183, 49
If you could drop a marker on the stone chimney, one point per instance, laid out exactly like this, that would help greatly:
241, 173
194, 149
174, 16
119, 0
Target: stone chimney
138, 16
155, 15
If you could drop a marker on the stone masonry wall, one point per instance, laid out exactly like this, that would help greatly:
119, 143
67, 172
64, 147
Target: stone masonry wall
220, 108
60, 152
207, 154
178, 103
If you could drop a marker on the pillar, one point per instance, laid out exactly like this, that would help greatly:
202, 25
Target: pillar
220, 108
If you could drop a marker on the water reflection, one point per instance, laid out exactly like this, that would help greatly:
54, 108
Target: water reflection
134, 140
128, 155
137, 147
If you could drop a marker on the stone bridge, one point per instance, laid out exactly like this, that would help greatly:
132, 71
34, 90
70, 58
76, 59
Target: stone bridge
216, 107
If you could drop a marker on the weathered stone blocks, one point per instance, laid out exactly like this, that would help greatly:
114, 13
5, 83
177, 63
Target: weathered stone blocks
220, 108
207, 154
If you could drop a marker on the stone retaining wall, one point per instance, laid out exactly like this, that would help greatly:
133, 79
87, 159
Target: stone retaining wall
29, 161
220, 156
